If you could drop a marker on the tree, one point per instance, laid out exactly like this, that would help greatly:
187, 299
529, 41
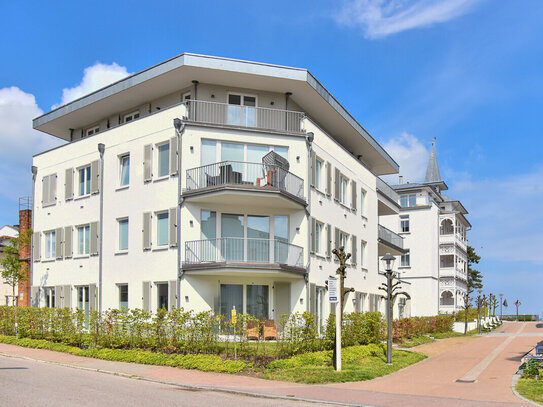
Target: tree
13, 271
517, 304
475, 281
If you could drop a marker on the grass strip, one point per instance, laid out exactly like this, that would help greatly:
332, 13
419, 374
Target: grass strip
532, 389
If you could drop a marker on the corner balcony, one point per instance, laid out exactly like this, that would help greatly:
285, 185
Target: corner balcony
237, 183
452, 238
243, 255
224, 114
388, 199
390, 242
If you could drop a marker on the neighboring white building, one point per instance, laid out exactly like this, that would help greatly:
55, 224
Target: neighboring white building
7, 233
223, 183
434, 229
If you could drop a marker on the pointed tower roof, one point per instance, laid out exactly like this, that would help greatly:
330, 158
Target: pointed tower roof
432, 172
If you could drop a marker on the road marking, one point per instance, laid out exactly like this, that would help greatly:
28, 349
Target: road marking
474, 373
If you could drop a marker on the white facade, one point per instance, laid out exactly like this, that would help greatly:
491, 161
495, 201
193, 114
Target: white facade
240, 232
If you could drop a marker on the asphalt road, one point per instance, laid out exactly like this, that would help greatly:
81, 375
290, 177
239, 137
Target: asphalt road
30, 383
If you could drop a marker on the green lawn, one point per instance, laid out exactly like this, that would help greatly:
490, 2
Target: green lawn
416, 341
531, 389
359, 363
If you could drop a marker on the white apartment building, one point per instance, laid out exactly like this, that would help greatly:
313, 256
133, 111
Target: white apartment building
209, 183
7, 232
434, 229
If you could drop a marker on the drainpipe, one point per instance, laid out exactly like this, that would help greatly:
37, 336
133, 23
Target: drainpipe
31, 266
101, 150
309, 142
195, 110
179, 130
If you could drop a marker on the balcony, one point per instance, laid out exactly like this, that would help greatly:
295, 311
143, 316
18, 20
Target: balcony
244, 253
388, 199
232, 180
452, 238
225, 114
390, 242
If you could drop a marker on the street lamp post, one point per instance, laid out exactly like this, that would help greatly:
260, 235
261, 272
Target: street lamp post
388, 264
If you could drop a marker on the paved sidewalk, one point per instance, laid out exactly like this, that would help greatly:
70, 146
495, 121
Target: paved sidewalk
432, 382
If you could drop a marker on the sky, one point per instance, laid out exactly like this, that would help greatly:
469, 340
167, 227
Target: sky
467, 72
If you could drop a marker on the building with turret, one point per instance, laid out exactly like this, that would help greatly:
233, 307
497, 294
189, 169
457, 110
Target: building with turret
434, 228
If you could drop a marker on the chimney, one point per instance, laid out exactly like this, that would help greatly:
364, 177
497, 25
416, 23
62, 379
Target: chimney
25, 223
401, 179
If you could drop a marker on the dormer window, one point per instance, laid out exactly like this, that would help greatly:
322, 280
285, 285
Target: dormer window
408, 201
92, 131
131, 116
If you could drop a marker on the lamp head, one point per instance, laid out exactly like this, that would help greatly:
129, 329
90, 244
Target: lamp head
388, 262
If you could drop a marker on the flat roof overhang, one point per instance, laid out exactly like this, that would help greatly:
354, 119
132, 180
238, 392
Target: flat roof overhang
178, 73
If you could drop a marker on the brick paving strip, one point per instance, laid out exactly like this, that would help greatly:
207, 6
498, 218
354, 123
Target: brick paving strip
431, 382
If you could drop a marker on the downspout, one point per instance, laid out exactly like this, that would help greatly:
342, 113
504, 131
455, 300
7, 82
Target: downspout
101, 150
31, 265
194, 115
179, 130
309, 141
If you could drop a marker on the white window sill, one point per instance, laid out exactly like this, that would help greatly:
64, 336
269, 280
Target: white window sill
49, 205
122, 187
160, 179
48, 260
404, 267
160, 248
121, 252
364, 270
81, 256
319, 256
404, 233
364, 217
78, 198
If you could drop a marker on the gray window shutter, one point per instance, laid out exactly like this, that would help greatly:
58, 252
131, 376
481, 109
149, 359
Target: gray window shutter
94, 238
93, 297
328, 240
67, 294
312, 298
58, 243
336, 184
146, 230
172, 294
354, 248
353, 195
95, 177
313, 235
45, 190
173, 156
146, 296
328, 179
172, 218
68, 239
336, 238
36, 253
35, 296
52, 189
313, 169
69, 184
147, 156
58, 296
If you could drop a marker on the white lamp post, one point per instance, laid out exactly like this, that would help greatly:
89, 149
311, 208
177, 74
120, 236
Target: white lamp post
388, 264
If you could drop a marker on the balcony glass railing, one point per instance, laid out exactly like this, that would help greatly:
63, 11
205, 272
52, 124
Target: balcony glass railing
389, 236
386, 190
241, 250
245, 116
249, 175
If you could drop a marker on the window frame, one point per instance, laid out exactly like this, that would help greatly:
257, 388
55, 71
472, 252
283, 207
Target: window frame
319, 232
49, 246
363, 203
158, 146
408, 198
405, 260
92, 131
119, 221
119, 288
121, 158
86, 181
405, 218
363, 254
130, 117
86, 240
157, 215
319, 167
343, 194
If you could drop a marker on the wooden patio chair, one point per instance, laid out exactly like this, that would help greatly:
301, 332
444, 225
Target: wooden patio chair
270, 329
252, 330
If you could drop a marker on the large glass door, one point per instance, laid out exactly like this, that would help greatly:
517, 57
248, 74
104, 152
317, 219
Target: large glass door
232, 172
257, 301
231, 296
232, 233
280, 228
208, 236
258, 235
241, 110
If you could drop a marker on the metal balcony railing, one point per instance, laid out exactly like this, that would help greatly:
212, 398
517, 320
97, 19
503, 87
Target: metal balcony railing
241, 250
389, 236
244, 116
387, 190
249, 175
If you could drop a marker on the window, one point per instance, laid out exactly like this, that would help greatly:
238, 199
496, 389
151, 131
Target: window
363, 208
162, 295
162, 229
163, 160
123, 296
318, 173
50, 245
83, 300
92, 131
131, 116
343, 239
50, 297
84, 180
241, 110
280, 230
407, 201
123, 234
124, 173
257, 301
318, 237
83, 239
405, 260
343, 182
363, 255
404, 224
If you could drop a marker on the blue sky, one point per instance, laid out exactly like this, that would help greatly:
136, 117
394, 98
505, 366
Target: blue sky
467, 72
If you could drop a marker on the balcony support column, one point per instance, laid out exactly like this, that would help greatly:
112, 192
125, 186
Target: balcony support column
309, 143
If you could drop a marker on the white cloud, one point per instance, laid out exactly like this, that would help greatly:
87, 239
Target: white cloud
19, 141
94, 77
379, 18
410, 154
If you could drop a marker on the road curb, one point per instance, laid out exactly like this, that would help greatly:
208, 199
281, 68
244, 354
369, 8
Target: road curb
514, 381
188, 386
